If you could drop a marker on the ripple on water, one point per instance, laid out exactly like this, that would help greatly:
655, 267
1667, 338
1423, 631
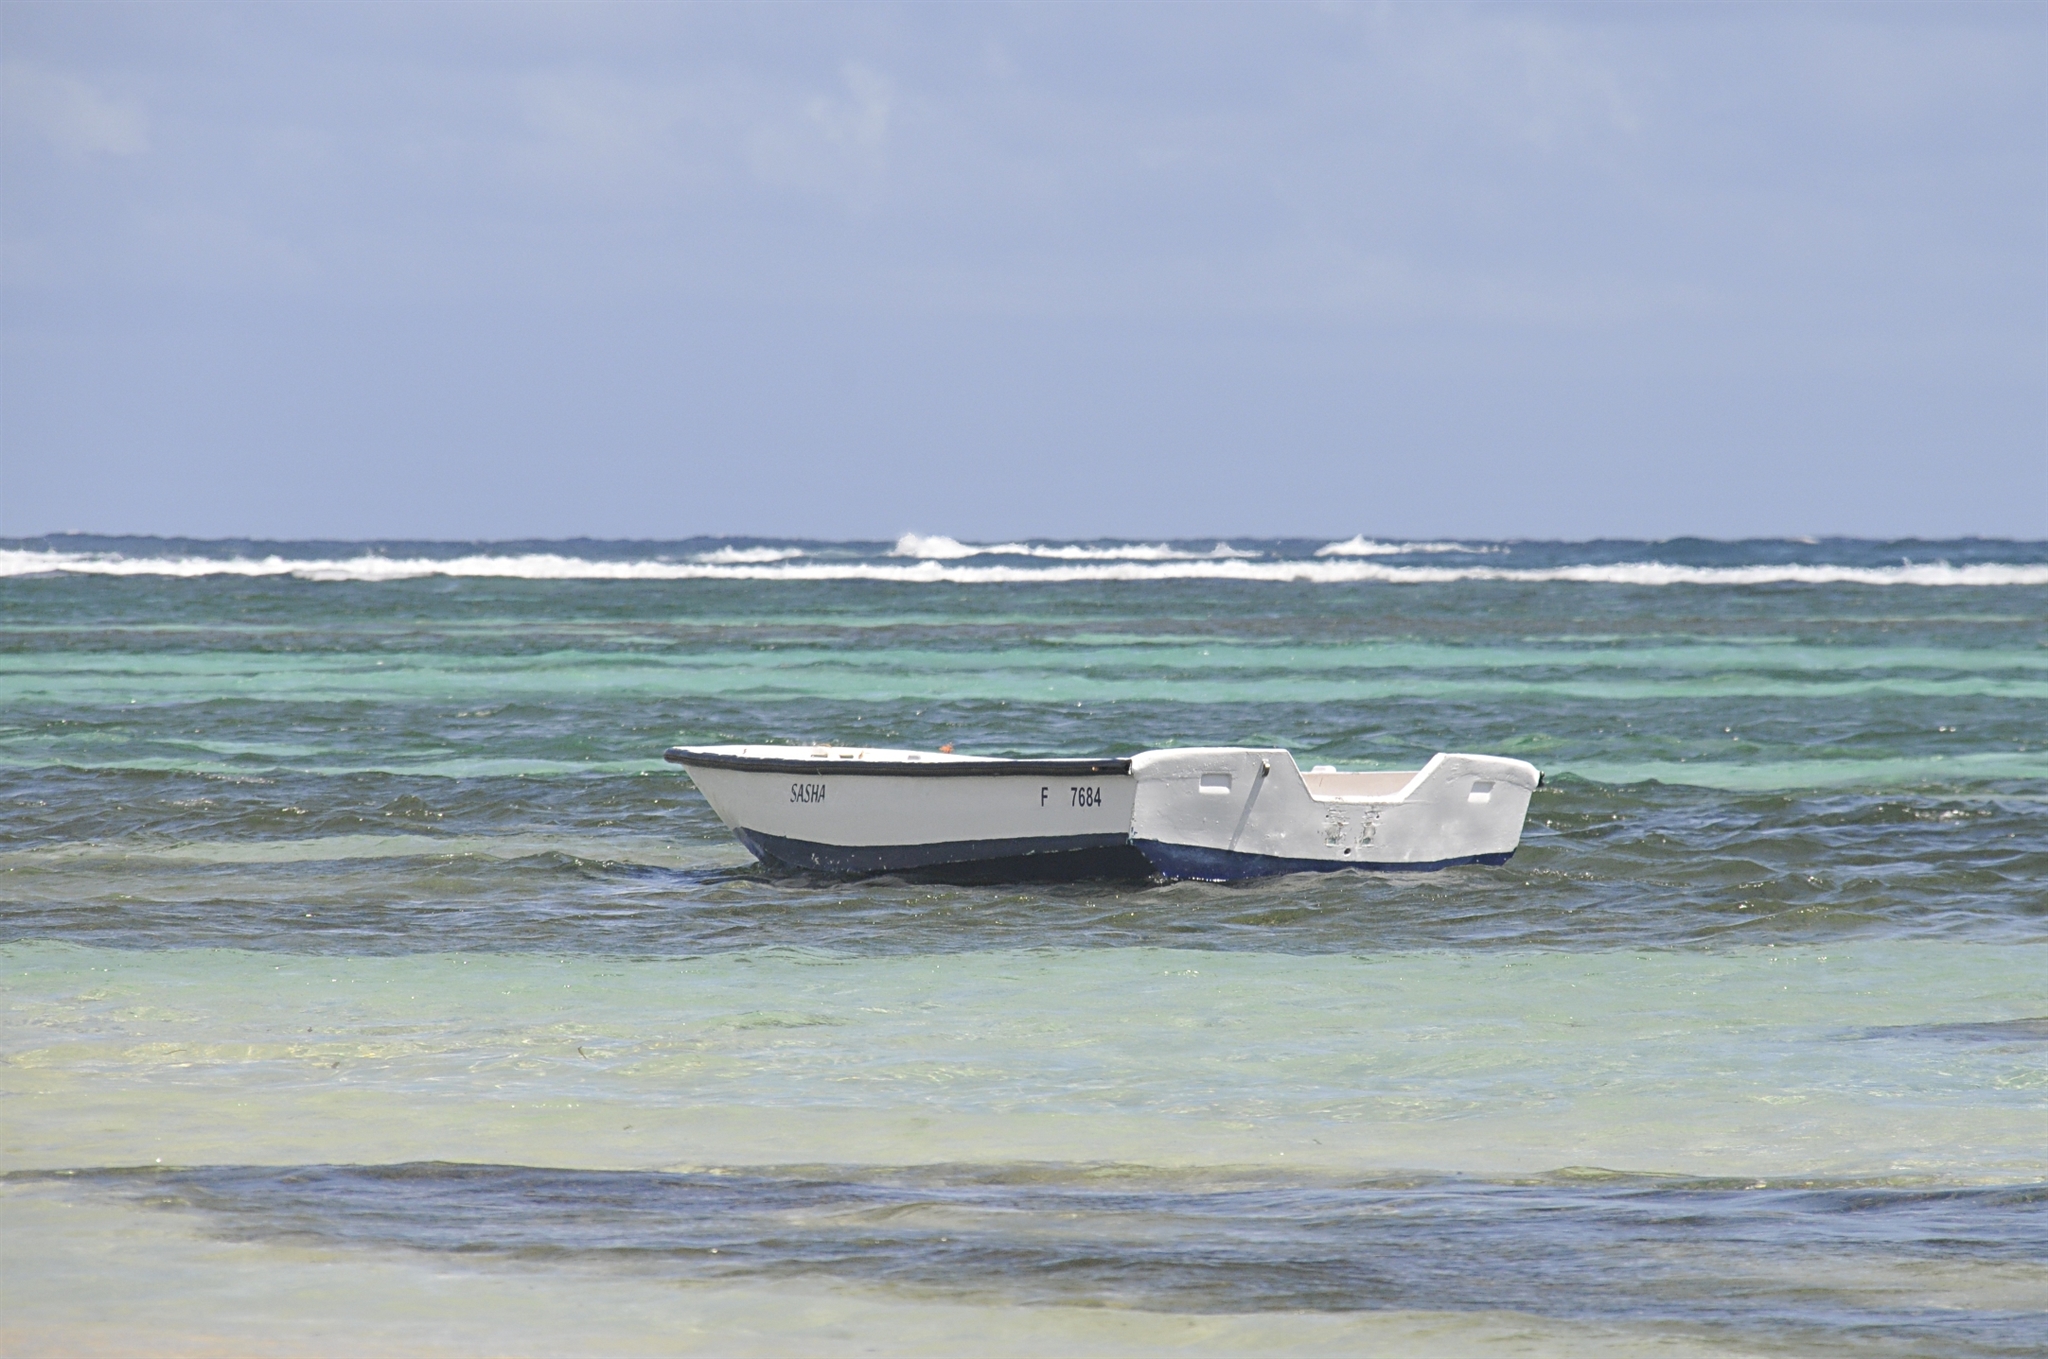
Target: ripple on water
1859, 1266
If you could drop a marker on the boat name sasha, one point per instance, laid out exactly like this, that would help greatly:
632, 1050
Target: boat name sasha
1216, 813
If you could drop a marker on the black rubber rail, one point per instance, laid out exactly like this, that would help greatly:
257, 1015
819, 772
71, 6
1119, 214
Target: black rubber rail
898, 768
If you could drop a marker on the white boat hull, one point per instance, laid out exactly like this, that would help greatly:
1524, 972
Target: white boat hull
882, 811
1226, 813
1213, 813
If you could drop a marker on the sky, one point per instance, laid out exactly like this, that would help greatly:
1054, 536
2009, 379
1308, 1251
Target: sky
842, 271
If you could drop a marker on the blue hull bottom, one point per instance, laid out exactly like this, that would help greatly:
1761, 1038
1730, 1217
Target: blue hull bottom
1055, 859
1225, 865
1037, 859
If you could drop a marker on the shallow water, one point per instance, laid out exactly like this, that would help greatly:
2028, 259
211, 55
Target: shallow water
358, 943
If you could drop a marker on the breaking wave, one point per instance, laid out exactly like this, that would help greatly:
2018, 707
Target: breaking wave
1060, 565
738, 556
1362, 546
938, 547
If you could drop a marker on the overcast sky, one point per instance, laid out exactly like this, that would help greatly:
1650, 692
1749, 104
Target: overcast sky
985, 270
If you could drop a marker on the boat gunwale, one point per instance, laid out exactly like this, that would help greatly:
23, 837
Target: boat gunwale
958, 767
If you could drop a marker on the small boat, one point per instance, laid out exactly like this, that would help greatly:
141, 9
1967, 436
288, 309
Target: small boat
1224, 813
1212, 813
852, 810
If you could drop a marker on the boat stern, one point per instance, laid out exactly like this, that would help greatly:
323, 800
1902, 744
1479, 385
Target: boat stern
1226, 813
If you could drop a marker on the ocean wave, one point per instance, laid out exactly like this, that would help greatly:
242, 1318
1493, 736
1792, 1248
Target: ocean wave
747, 556
343, 848
1362, 546
1925, 771
938, 547
931, 570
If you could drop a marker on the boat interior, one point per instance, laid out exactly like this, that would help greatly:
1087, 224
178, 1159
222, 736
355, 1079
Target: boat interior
875, 753
1327, 785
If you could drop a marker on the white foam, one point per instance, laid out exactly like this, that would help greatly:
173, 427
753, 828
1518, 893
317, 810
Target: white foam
937, 547
737, 556
1132, 552
1362, 546
932, 546
1323, 571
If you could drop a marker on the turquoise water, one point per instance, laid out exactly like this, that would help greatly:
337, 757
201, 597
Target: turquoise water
371, 985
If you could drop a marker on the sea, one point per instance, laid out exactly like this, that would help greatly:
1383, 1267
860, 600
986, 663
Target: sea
372, 987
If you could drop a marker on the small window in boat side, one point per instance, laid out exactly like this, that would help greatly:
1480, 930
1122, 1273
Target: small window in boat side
1481, 792
1215, 783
